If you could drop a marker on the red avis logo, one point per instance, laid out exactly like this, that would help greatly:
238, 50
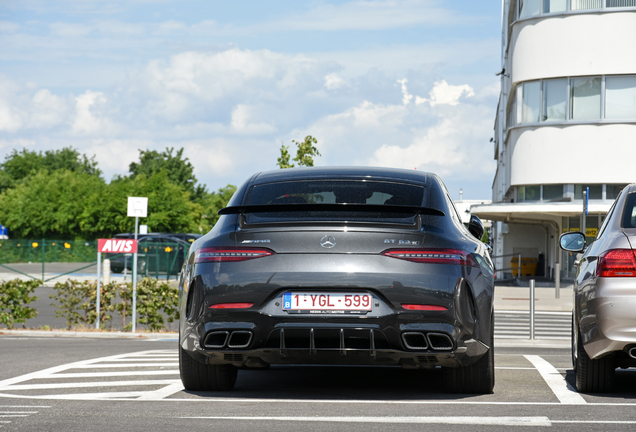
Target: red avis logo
116, 246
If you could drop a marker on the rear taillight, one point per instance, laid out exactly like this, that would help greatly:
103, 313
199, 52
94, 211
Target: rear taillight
433, 256
423, 307
616, 263
231, 305
229, 254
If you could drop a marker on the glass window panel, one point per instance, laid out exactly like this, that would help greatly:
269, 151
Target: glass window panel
532, 8
612, 190
531, 101
586, 98
620, 97
520, 9
620, 3
551, 6
533, 193
519, 103
521, 195
586, 4
554, 96
551, 192
596, 191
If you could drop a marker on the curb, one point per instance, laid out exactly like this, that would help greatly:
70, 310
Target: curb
536, 343
86, 334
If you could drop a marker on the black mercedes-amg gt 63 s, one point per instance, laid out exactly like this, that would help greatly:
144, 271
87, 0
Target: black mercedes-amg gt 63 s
338, 266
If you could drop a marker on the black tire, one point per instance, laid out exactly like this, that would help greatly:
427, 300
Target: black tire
197, 376
477, 378
593, 376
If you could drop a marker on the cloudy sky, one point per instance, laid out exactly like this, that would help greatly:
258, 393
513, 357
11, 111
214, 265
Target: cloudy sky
400, 83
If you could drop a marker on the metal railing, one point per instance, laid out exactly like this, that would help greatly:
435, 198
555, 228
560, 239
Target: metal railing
154, 258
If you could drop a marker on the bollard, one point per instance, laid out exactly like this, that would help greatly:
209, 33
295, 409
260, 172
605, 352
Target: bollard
531, 309
106, 272
557, 280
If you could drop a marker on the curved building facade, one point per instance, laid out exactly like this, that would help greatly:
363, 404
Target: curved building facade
566, 123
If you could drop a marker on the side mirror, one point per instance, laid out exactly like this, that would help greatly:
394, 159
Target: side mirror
475, 227
572, 241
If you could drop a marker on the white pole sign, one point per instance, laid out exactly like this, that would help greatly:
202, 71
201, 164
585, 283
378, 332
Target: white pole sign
137, 207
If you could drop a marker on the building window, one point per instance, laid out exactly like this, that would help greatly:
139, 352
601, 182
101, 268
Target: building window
552, 192
554, 98
586, 98
533, 8
620, 3
531, 102
620, 97
586, 4
596, 191
612, 190
529, 193
552, 6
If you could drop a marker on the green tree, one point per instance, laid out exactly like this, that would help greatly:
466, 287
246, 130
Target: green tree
305, 153
169, 207
214, 202
179, 169
49, 204
19, 165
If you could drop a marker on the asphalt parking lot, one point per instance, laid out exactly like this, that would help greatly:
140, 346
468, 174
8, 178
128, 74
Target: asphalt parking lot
90, 384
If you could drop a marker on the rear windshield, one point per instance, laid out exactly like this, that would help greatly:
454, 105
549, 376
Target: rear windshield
629, 213
334, 192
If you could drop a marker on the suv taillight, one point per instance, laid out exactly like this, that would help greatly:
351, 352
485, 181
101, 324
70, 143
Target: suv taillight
616, 263
433, 256
229, 254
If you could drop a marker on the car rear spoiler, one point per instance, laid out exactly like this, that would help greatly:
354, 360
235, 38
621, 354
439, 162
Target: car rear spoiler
368, 208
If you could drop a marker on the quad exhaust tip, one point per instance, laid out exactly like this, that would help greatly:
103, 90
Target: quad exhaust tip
433, 341
632, 352
223, 339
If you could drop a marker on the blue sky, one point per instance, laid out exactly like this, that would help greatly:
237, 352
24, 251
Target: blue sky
401, 83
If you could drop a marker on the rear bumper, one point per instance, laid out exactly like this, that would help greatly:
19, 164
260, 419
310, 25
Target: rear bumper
615, 324
385, 342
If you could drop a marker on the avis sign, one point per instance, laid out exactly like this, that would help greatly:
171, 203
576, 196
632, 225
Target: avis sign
117, 246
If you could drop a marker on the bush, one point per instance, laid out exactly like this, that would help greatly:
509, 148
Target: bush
15, 295
155, 300
77, 302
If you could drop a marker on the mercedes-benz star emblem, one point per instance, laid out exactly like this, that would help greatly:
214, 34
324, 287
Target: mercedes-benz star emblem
328, 241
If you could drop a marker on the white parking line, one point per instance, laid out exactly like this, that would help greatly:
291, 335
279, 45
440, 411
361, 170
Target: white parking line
557, 383
91, 384
116, 374
494, 421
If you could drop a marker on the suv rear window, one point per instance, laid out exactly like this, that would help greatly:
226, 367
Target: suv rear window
334, 192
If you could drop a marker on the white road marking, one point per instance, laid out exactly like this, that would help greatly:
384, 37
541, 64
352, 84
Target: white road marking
557, 383
13, 415
595, 421
163, 392
156, 360
120, 365
495, 421
91, 384
115, 374
25, 406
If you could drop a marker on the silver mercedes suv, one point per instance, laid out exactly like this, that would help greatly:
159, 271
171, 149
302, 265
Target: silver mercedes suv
604, 318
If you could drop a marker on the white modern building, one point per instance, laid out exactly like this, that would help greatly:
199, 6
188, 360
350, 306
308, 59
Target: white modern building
566, 121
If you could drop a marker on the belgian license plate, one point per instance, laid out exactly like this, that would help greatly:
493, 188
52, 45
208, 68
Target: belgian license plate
327, 303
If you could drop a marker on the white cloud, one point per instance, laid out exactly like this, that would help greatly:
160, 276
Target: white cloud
406, 96
88, 120
241, 116
115, 155
333, 81
446, 94
47, 110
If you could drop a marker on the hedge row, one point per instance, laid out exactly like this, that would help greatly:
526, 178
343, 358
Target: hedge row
75, 301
